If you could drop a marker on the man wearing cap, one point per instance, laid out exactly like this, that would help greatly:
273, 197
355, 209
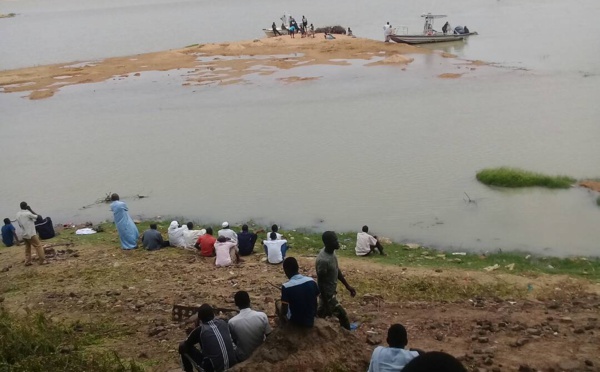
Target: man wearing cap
228, 233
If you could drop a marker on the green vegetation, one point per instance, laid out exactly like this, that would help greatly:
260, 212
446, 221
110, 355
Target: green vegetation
33, 343
307, 243
514, 177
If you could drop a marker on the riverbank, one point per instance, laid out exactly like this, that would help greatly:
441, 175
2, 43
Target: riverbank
217, 63
489, 318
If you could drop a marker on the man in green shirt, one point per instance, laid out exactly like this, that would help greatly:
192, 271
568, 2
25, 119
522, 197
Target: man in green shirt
328, 273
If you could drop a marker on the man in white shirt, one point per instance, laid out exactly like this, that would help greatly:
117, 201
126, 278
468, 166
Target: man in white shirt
395, 357
274, 229
365, 243
228, 233
249, 328
275, 249
190, 236
26, 220
387, 31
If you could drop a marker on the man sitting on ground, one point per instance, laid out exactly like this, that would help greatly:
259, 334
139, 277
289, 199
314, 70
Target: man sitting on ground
298, 297
228, 233
395, 357
275, 249
366, 244
246, 241
224, 249
175, 233
44, 228
190, 236
274, 229
152, 239
249, 328
206, 243
216, 347
9, 236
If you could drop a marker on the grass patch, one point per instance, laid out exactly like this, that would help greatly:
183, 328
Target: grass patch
307, 243
514, 177
33, 343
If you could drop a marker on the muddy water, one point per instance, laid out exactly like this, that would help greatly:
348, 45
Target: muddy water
393, 149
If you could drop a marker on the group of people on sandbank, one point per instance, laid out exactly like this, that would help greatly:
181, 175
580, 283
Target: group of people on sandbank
224, 344
294, 28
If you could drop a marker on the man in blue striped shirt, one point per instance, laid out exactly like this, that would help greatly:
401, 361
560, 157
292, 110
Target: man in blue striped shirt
216, 347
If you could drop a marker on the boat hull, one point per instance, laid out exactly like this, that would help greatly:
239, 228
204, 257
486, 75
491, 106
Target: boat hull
427, 39
269, 32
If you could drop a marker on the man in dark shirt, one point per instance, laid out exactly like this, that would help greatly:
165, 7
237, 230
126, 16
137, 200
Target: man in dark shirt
44, 227
328, 273
246, 241
298, 296
9, 236
152, 239
216, 348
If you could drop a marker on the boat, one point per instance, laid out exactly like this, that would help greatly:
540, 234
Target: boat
430, 35
285, 23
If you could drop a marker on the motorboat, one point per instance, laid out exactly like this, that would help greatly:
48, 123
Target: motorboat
430, 35
285, 23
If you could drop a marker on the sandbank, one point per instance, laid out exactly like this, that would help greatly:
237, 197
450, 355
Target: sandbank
216, 63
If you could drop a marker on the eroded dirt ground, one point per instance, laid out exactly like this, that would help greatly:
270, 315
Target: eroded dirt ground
493, 322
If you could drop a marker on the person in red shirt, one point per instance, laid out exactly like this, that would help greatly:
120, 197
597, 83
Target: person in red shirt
206, 243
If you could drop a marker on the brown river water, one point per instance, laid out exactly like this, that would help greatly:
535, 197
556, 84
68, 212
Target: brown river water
393, 149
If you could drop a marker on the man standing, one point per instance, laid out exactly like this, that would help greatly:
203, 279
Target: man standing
9, 236
246, 241
228, 233
152, 239
249, 328
366, 244
216, 348
298, 296
387, 31
26, 220
275, 31
328, 273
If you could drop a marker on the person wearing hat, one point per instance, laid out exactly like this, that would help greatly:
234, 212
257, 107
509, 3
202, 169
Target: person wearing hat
228, 233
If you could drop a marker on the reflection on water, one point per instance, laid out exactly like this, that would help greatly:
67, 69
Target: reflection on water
381, 146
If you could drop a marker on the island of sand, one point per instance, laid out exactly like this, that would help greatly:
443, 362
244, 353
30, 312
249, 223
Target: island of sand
218, 63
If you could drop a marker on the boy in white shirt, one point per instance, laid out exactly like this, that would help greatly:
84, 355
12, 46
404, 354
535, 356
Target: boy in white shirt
366, 244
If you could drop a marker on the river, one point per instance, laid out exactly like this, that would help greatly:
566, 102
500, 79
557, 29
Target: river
393, 149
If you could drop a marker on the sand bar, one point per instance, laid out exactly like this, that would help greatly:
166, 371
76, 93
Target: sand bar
218, 63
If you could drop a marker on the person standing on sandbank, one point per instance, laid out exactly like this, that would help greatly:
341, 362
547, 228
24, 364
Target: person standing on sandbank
328, 273
26, 219
275, 31
128, 232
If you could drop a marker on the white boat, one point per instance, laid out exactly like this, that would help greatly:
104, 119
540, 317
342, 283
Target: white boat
285, 23
430, 35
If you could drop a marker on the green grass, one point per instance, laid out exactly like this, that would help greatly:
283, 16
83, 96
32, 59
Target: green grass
33, 343
514, 177
305, 242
